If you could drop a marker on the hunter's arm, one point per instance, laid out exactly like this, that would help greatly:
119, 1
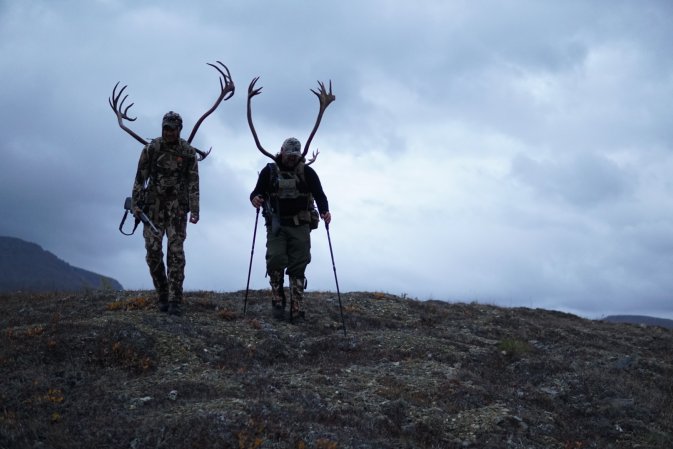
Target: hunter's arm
142, 175
313, 182
262, 186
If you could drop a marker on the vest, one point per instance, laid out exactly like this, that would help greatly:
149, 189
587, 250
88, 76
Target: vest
285, 185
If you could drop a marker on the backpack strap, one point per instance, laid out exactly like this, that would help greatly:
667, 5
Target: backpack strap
152, 151
273, 172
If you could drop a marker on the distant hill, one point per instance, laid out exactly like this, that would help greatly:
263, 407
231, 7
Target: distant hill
640, 319
25, 266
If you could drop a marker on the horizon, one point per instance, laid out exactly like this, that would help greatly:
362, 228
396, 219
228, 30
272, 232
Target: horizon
602, 316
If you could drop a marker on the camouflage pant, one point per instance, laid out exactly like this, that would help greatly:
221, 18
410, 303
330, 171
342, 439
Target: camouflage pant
288, 251
172, 223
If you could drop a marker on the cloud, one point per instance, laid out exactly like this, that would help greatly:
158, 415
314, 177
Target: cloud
584, 180
517, 154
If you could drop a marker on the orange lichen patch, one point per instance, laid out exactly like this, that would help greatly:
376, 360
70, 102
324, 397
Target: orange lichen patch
250, 437
227, 314
351, 308
382, 296
34, 331
325, 444
54, 395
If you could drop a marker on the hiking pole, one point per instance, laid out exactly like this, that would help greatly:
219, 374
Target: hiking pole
252, 251
331, 253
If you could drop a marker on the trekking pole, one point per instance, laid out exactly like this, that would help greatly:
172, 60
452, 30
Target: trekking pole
329, 239
252, 251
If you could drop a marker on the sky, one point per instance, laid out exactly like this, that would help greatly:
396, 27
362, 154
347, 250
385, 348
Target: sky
511, 152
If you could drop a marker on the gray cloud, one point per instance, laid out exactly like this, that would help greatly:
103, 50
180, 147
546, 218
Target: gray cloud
517, 154
585, 180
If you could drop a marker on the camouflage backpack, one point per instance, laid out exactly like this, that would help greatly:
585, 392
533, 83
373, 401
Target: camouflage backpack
169, 171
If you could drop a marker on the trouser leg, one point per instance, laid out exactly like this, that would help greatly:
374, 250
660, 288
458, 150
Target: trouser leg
154, 257
289, 250
298, 250
276, 252
299, 256
276, 261
176, 233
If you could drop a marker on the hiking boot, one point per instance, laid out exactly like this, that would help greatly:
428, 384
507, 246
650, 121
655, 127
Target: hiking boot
297, 317
276, 279
278, 311
296, 295
174, 308
163, 302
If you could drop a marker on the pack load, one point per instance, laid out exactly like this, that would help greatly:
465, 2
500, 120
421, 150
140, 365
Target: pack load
285, 185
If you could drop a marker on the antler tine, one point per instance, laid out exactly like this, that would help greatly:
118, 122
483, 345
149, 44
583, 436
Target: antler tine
117, 106
227, 89
313, 157
325, 98
227, 78
251, 93
203, 154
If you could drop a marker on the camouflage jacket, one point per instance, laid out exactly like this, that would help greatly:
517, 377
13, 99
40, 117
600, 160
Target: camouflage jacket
167, 172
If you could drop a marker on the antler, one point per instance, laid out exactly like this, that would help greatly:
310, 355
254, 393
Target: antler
313, 158
117, 107
325, 99
227, 89
251, 93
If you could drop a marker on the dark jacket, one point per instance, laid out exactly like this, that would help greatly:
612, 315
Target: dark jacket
309, 184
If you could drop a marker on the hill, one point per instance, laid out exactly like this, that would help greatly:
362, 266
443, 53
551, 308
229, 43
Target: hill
25, 266
106, 370
640, 319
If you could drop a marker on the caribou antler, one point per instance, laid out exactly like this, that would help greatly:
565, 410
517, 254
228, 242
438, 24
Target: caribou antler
117, 107
325, 99
313, 158
251, 93
227, 89
122, 115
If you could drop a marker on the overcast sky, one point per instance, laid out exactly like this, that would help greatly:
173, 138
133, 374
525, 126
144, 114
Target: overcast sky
514, 152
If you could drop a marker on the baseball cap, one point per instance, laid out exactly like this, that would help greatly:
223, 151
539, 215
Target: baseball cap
291, 146
172, 120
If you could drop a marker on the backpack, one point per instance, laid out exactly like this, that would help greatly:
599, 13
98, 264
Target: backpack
156, 186
284, 185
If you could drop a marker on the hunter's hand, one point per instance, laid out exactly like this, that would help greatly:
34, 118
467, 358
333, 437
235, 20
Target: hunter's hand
257, 201
327, 217
137, 212
193, 218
